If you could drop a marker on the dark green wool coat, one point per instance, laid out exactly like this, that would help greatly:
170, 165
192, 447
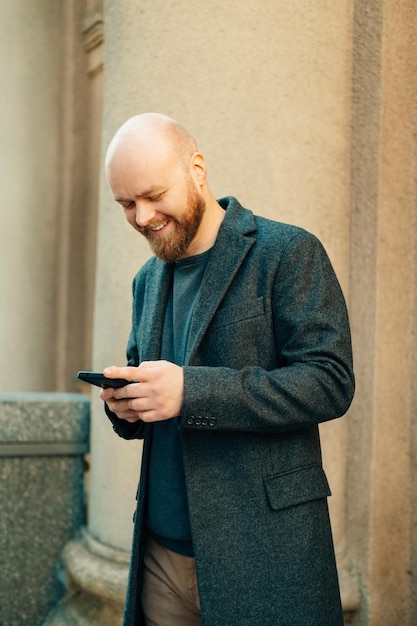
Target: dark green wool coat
268, 359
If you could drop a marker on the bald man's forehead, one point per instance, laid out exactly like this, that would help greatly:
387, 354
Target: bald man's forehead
143, 153
147, 160
134, 174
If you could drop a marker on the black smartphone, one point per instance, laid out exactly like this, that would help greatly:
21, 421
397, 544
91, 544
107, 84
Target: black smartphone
98, 379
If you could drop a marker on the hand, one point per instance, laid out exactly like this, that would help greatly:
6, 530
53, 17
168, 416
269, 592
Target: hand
155, 394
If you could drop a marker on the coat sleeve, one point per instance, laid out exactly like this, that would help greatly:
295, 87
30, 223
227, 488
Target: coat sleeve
313, 381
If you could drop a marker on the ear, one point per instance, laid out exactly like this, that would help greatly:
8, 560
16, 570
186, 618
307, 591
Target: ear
198, 168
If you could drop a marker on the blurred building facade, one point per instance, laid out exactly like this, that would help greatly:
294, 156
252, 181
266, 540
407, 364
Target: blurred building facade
307, 112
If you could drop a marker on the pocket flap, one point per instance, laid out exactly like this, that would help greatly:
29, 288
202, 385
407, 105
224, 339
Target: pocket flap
239, 312
297, 486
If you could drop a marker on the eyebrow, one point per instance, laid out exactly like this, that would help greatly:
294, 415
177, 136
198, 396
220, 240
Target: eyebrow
144, 194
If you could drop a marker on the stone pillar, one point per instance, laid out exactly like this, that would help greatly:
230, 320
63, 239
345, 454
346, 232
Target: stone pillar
96, 563
30, 131
381, 498
48, 230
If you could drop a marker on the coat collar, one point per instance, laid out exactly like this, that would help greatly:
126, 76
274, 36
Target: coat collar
230, 249
234, 240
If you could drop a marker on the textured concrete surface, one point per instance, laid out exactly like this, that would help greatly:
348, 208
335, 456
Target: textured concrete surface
41, 500
96, 577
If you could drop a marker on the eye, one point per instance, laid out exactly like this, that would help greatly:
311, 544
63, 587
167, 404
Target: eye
127, 205
155, 198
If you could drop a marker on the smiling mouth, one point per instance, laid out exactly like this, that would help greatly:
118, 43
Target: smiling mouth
152, 229
155, 229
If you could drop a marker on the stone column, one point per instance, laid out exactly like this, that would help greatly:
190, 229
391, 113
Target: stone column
30, 75
96, 563
382, 500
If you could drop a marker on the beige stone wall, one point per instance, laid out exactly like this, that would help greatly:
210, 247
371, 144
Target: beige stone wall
307, 113
30, 131
50, 122
381, 456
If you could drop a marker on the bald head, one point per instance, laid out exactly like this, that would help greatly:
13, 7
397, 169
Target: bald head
151, 136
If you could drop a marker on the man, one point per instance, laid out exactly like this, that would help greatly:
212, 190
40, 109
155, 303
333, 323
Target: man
239, 348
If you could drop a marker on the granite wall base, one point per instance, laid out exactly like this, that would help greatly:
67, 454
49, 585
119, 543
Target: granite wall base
43, 439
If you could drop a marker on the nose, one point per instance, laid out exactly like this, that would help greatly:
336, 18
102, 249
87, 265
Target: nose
144, 213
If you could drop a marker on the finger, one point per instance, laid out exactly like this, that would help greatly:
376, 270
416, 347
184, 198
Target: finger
128, 416
148, 416
120, 406
138, 405
106, 394
127, 372
133, 420
124, 413
132, 390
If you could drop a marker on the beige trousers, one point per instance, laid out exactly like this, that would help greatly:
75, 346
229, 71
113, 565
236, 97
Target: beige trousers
170, 595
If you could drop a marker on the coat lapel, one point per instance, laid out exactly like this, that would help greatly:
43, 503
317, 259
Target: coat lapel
157, 288
231, 247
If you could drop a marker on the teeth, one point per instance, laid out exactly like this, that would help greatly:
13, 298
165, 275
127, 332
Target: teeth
159, 227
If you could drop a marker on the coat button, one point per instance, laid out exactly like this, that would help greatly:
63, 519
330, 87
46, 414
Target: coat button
198, 421
190, 420
212, 421
205, 421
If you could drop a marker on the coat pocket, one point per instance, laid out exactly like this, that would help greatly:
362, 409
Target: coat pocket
240, 312
302, 484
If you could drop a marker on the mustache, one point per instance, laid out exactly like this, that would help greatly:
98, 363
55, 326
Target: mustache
150, 228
